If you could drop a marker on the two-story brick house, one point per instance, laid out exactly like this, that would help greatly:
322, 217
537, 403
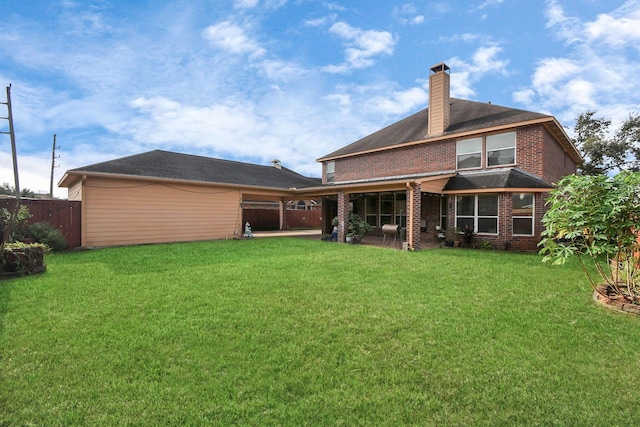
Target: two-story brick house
453, 165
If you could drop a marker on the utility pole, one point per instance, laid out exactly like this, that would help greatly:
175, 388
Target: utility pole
13, 143
53, 164
8, 230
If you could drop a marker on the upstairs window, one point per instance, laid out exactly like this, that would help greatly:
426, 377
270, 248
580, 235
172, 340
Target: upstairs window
330, 172
501, 149
469, 152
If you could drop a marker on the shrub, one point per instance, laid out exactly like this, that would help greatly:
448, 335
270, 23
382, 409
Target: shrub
23, 258
468, 234
486, 246
597, 218
47, 234
357, 225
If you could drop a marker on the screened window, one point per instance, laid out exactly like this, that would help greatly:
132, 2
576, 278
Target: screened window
330, 171
469, 152
523, 207
371, 209
479, 212
501, 149
386, 208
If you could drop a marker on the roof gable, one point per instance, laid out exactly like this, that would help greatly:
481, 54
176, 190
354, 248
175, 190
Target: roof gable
186, 167
466, 116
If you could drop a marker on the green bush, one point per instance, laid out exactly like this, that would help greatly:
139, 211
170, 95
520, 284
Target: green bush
47, 234
595, 218
23, 258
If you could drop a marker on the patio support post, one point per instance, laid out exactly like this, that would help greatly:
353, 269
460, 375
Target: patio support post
414, 198
283, 214
343, 214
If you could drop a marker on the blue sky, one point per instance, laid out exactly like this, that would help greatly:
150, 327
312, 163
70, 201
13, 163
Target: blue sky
254, 80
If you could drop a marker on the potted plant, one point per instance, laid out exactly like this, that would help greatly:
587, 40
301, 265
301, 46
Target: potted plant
468, 234
450, 237
357, 227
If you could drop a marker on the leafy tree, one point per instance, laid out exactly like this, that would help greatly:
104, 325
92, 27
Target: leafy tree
10, 220
597, 219
603, 153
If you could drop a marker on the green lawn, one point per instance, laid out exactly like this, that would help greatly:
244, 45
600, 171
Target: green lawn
299, 332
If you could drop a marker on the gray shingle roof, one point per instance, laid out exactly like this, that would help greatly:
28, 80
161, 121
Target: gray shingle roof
503, 178
465, 116
169, 165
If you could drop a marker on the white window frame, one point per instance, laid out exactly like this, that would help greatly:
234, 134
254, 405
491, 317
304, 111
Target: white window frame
330, 172
444, 200
461, 152
500, 140
476, 215
530, 217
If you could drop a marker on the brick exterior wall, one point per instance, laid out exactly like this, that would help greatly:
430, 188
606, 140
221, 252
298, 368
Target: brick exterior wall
505, 239
537, 152
432, 157
343, 215
431, 214
529, 146
557, 163
416, 192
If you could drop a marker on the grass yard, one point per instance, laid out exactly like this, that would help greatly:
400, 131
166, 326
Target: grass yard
298, 332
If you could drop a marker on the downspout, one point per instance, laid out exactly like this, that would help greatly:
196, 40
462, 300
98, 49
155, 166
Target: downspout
83, 211
410, 215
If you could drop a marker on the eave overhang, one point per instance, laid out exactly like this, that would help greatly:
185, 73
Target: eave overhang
71, 177
550, 123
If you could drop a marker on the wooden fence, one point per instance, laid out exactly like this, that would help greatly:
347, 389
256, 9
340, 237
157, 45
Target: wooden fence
64, 215
269, 219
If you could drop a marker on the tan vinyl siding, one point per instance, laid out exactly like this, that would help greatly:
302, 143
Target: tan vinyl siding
123, 212
74, 192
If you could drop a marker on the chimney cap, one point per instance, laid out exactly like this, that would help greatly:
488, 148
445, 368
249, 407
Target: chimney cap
440, 67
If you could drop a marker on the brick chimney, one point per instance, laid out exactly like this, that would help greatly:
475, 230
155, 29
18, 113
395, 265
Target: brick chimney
439, 104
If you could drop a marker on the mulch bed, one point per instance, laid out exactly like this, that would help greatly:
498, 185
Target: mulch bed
614, 302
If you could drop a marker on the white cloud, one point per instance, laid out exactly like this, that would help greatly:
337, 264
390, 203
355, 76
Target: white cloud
599, 72
362, 46
488, 3
279, 70
483, 61
399, 102
617, 30
83, 20
233, 38
568, 28
407, 13
319, 22
245, 4
440, 7
34, 172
